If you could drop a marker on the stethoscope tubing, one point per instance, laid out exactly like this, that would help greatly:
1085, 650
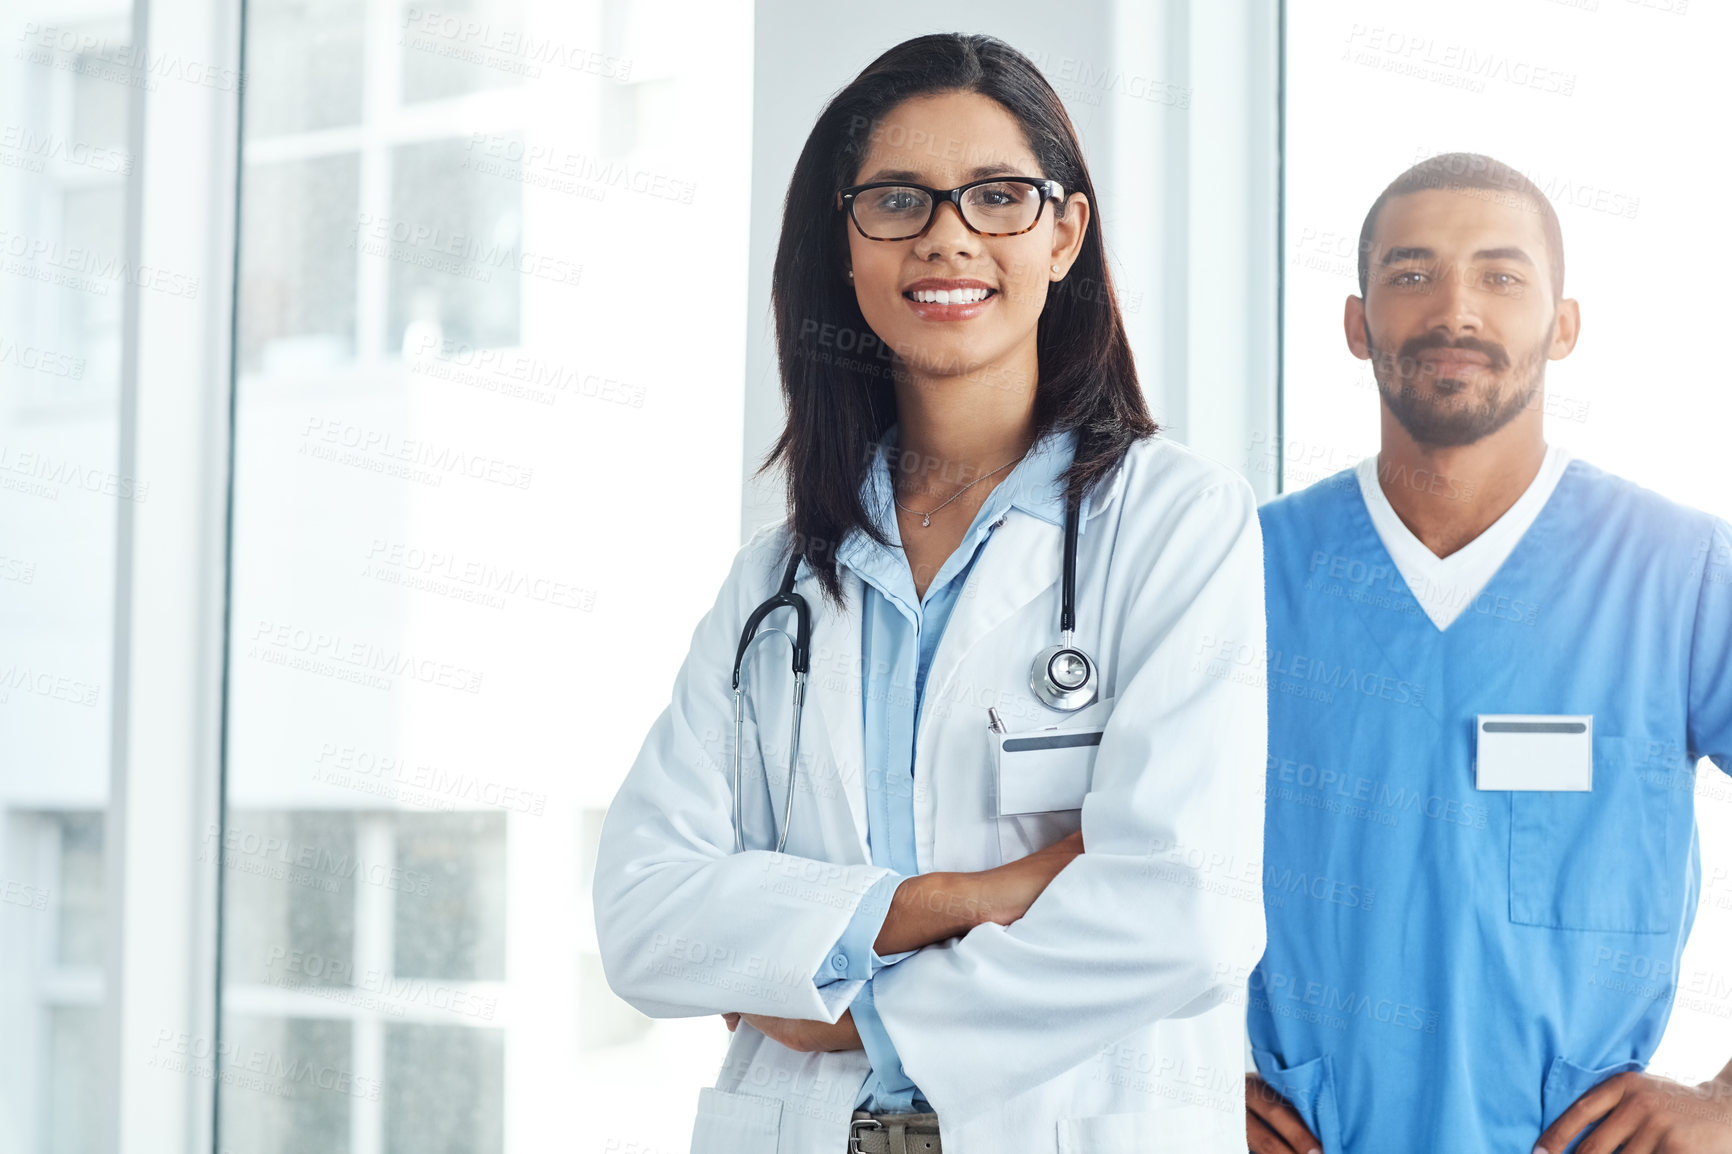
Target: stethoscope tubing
1055, 696
1067, 587
801, 640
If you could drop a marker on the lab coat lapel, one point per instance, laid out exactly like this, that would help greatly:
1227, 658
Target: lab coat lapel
1020, 562
835, 684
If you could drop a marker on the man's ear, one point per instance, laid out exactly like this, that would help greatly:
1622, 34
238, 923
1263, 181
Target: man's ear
1353, 325
1566, 328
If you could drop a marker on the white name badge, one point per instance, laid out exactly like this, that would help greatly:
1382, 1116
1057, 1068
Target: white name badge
1042, 770
1535, 751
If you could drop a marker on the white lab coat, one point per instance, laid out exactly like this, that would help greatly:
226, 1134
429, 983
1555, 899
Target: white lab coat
1108, 1019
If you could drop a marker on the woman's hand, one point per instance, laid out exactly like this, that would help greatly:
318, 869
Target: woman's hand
802, 1034
1005, 892
937, 906
930, 908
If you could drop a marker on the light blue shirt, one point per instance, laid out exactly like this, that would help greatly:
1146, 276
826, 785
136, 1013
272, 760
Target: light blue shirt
900, 633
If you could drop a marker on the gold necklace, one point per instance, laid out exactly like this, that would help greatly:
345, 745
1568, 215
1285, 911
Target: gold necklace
926, 517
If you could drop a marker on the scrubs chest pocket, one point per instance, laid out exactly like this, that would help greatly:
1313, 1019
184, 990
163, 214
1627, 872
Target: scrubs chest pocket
1598, 859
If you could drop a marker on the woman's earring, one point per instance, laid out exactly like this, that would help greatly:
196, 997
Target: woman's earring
851, 272
1055, 268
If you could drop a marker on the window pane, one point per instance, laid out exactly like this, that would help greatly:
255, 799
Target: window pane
304, 63
75, 1055
99, 110
67, 89
444, 1090
288, 1085
82, 910
92, 220
465, 46
457, 930
447, 353
289, 898
297, 299
455, 245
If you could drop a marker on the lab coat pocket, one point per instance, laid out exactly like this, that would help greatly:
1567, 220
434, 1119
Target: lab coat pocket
1599, 859
1566, 1082
1310, 1088
1041, 775
1181, 1130
735, 1123
1047, 768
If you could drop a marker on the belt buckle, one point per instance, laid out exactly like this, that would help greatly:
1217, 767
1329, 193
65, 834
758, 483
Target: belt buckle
855, 1126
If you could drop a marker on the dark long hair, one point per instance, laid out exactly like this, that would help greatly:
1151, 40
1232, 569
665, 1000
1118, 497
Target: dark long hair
837, 381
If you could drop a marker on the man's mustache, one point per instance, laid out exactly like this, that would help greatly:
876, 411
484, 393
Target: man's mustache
1407, 359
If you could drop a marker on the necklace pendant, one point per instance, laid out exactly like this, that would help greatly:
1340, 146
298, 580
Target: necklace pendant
926, 520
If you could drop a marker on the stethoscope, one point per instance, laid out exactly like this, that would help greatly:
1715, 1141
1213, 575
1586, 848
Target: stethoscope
1062, 676
785, 598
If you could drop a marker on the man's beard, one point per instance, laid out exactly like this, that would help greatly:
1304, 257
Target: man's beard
1431, 421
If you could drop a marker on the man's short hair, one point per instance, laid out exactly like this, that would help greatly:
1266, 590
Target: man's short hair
1462, 171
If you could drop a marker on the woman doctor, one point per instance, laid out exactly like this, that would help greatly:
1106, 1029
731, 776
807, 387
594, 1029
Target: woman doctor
908, 926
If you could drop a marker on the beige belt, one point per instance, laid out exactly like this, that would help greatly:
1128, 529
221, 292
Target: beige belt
893, 1133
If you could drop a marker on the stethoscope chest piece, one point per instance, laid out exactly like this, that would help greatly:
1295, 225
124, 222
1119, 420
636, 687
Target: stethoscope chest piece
1063, 677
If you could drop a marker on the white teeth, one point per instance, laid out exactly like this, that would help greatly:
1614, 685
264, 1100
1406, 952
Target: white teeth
966, 296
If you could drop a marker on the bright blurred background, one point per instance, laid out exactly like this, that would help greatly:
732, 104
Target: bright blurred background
380, 388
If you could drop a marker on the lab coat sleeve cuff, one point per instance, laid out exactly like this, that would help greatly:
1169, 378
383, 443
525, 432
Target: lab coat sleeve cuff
852, 957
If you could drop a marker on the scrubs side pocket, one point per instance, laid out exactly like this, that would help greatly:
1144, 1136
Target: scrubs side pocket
1565, 1082
1599, 859
734, 1123
1310, 1088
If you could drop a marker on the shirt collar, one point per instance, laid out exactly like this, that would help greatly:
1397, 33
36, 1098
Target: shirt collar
1034, 486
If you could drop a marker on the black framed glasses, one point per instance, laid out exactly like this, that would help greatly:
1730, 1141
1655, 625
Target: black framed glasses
996, 206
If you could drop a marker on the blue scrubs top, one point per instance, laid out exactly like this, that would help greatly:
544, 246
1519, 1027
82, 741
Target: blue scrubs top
1448, 967
900, 633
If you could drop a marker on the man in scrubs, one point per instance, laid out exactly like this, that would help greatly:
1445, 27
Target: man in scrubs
1492, 670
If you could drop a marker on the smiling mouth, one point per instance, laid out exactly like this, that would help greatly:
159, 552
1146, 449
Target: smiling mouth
1451, 366
963, 296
